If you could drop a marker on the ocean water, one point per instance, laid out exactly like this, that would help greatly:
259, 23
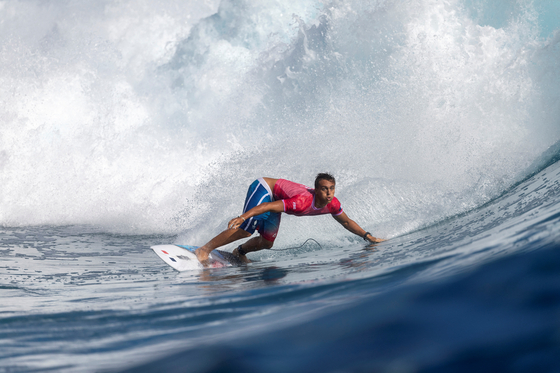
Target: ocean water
126, 124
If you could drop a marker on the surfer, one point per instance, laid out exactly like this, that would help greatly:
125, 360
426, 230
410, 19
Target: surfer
266, 199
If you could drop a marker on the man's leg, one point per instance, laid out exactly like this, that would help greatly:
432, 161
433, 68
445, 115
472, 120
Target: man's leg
227, 236
254, 244
269, 229
257, 193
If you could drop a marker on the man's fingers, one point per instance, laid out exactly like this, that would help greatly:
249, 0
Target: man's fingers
233, 224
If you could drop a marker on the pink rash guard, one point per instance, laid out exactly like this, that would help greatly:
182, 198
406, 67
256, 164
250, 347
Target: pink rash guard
299, 200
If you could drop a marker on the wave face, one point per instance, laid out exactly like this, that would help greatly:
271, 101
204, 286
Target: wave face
478, 292
144, 117
127, 124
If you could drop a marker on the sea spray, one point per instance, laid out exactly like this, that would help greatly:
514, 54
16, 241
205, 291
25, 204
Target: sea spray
422, 112
135, 120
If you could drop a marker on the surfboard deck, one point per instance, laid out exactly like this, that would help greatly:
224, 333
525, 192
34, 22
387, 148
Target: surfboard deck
183, 258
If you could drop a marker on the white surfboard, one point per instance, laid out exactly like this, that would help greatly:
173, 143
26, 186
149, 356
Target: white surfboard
182, 257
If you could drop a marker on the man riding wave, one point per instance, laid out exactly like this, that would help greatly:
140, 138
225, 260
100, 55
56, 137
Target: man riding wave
266, 200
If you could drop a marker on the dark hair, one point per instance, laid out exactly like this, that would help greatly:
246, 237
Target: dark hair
324, 176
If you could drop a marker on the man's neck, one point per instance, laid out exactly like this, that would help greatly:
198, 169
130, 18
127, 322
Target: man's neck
317, 205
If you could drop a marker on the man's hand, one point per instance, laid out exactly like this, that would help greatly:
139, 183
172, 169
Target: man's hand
373, 242
235, 222
276, 206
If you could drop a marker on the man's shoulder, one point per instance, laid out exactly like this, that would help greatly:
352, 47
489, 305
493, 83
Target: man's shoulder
335, 201
335, 207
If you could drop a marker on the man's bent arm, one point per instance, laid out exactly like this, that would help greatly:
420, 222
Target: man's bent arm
276, 206
353, 227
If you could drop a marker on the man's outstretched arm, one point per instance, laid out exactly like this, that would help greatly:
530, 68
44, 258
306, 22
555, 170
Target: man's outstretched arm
353, 227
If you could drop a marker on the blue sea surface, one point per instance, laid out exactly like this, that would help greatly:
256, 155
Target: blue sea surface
128, 124
478, 292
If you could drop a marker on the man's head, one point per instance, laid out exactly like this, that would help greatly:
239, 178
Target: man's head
324, 176
324, 188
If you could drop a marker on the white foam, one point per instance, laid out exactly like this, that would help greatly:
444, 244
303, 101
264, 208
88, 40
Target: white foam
148, 117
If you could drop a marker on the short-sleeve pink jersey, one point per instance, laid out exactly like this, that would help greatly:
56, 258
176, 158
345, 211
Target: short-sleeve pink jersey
299, 200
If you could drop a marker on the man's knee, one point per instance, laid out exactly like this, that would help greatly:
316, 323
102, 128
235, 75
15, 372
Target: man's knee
266, 244
243, 233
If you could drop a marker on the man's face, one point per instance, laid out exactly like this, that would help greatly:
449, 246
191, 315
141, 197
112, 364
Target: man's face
325, 192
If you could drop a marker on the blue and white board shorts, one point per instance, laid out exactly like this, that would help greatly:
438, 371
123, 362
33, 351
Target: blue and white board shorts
266, 224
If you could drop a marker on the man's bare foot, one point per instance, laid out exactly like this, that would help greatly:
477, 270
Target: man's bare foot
241, 257
202, 257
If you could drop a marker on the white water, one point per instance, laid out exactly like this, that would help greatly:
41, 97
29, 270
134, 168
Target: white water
145, 116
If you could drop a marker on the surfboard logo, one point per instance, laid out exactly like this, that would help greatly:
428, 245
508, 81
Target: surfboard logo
172, 258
